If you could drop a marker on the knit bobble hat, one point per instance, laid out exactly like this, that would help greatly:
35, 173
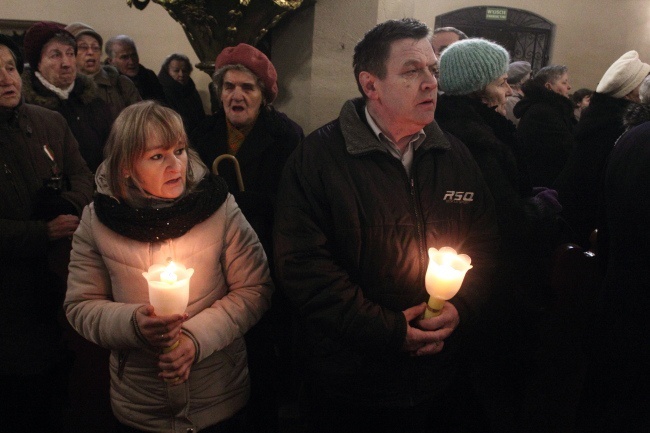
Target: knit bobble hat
517, 71
80, 29
470, 65
256, 61
13, 47
37, 36
625, 75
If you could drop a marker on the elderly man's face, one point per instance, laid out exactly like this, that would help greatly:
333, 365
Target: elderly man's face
442, 40
88, 53
10, 82
58, 64
125, 59
405, 99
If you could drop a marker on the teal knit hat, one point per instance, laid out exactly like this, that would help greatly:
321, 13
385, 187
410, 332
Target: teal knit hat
470, 65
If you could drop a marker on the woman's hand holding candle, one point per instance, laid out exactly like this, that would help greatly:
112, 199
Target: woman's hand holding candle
175, 365
159, 331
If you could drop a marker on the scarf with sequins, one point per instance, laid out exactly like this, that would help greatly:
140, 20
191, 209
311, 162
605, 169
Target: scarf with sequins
156, 224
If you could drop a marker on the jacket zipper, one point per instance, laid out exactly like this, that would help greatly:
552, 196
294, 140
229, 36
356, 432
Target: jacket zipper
121, 362
10, 178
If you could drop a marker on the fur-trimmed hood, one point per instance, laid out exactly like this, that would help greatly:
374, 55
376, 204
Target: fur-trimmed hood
85, 91
635, 115
534, 93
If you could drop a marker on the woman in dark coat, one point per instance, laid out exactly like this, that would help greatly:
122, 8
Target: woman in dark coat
617, 384
546, 124
52, 82
180, 90
261, 138
601, 124
473, 76
44, 186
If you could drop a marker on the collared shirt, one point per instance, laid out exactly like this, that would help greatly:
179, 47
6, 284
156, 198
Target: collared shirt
407, 156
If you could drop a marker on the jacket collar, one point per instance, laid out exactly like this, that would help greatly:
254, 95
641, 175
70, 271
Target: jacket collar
360, 139
106, 75
85, 90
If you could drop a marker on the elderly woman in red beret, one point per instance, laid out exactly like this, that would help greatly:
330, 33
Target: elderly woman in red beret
247, 126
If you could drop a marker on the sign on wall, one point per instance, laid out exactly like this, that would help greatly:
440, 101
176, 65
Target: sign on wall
499, 14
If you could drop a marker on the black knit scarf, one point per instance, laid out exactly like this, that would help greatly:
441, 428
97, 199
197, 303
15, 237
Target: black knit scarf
160, 224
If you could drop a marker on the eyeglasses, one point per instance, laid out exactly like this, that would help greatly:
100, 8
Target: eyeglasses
93, 48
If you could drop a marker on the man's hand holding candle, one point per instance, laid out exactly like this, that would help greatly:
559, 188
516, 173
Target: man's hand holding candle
426, 336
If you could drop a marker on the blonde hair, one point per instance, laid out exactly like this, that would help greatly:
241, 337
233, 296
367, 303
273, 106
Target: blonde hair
128, 139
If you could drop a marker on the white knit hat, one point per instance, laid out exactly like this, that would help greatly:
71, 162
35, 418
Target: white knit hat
625, 75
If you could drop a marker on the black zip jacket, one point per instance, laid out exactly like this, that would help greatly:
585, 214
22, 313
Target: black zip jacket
351, 236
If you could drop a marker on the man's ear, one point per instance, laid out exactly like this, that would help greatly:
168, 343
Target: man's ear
367, 82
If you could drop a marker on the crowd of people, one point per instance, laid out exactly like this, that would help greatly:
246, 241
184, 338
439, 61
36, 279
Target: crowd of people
310, 254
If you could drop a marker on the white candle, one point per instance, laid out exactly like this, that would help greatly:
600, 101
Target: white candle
169, 288
444, 277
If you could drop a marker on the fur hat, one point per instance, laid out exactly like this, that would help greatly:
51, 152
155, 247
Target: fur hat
13, 47
79, 29
625, 75
517, 71
37, 36
256, 61
470, 65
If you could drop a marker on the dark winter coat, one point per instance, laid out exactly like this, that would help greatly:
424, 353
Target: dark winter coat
184, 99
525, 223
87, 115
261, 158
615, 393
117, 90
351, 236
580, 184
545, 132
31, 291
528, 228
148, 85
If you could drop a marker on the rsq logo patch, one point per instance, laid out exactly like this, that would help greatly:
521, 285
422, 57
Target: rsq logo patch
461, 197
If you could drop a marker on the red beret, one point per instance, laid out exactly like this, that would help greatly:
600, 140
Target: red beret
37, 36
256, 61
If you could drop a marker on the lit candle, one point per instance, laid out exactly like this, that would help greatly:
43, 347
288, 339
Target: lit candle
169, 287
444, 277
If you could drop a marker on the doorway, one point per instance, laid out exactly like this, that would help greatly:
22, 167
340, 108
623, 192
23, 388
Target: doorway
526, 36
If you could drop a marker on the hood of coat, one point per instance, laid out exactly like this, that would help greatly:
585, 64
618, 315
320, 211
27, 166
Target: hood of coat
85, 90
636, 114
536, 94
603, 113
473, 122
170, 84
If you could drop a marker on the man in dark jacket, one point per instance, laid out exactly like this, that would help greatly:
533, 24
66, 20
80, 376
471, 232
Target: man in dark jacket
44, 186
359, 203
123, 54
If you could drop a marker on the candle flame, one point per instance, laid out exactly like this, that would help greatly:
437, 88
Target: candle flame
168, 275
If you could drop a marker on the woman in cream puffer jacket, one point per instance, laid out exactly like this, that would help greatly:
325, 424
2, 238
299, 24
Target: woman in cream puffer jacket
118, 239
